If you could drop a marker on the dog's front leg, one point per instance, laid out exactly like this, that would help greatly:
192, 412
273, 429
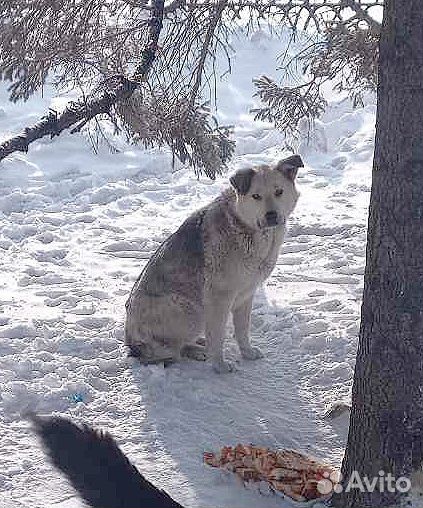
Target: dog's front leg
217, 310
242, 320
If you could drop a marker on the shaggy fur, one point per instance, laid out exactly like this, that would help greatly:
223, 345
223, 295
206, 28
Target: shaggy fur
210, 268
96, 467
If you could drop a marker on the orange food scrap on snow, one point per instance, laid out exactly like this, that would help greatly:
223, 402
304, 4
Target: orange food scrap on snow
292, 473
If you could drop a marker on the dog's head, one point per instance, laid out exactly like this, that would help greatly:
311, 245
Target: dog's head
266, 195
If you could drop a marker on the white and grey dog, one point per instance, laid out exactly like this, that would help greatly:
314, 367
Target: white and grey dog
211, 267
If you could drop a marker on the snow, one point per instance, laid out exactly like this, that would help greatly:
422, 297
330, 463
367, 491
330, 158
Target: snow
76, 230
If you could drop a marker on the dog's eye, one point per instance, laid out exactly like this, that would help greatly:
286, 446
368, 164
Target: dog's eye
278, 192
256, 196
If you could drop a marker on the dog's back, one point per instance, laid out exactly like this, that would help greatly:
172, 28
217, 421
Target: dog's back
96, 467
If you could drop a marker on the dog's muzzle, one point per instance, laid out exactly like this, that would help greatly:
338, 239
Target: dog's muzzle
272, 218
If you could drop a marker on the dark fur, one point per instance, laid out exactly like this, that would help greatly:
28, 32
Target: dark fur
241, 180
290, 165
185, 247
96, 467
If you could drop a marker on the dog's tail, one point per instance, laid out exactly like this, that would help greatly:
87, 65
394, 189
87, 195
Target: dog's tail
96, 467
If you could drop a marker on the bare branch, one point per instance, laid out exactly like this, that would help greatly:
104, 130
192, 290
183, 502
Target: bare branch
84, 110
206, 46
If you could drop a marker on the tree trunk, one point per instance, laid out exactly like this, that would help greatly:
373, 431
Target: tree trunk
387, 402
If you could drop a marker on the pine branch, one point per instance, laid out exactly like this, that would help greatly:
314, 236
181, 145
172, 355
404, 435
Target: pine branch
79, 113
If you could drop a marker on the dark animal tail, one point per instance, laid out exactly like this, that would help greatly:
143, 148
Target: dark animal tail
96, 467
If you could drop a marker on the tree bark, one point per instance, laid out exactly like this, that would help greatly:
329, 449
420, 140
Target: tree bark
387, 401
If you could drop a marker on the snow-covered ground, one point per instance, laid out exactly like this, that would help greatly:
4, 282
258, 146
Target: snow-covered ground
76, 229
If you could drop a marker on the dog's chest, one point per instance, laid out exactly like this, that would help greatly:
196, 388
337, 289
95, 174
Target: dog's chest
259, 253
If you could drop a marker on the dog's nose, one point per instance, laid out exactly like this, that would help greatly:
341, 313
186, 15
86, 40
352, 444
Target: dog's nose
272, 218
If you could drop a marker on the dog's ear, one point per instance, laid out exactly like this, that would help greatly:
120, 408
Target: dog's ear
289, 166
241, 180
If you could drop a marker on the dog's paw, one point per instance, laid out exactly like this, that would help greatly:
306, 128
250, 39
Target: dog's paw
251, 353
194, 352
223, 366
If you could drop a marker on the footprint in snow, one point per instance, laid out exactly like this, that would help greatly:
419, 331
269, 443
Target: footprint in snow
95, 323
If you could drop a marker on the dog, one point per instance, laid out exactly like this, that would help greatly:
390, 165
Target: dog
96, 467
211, 267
